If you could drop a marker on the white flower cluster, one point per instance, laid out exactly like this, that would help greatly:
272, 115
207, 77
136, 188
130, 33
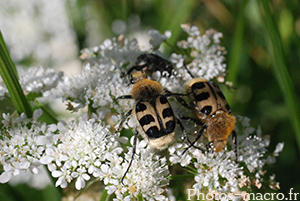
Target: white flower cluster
254, 154
206, 53
100, 80
218, 172
102, 76
31, 32
21, 145
86, 149
146, 177
36, 80
82, 147
78, 151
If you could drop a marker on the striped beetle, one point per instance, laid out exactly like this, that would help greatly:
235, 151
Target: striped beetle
212, 111
155, 118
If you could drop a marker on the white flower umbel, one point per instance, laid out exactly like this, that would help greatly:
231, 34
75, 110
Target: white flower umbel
72, 151
254, 154
82, 147
36, 80
38, 32
215, 171
39, 79
206, 54
102, 78
147, 176
23, 143
218, 172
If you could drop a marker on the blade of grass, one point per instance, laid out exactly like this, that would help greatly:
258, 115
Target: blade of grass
5, 51
236, 51
9, 75
280, 66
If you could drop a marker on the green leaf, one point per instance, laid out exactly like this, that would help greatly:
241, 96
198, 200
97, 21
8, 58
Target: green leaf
48, 115
8, 73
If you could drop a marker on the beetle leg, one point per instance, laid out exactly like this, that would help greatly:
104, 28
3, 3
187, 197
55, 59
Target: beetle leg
123, 97
204, 126
234, 140
123, 120
133, 153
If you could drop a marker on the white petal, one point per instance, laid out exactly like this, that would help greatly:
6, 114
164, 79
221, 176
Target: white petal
7, 167
63, 157
46, 159
49, 151
74, 174
56, 173
168, 34
37, 113
61, 182
278, 148
24, 165
41, 140
52, 127
51, 167
104, 168
80, 183
110, 189
86, 177
16, 172
5, 177
34, 170
74, 164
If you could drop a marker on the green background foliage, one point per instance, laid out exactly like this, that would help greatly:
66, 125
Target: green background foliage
262, 41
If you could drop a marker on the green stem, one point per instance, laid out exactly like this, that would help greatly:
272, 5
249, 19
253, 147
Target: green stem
104, 196
9, 75
87, 186
280, 66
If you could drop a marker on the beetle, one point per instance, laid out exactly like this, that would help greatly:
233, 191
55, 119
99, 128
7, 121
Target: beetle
153, 113
151, 63
211, 111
